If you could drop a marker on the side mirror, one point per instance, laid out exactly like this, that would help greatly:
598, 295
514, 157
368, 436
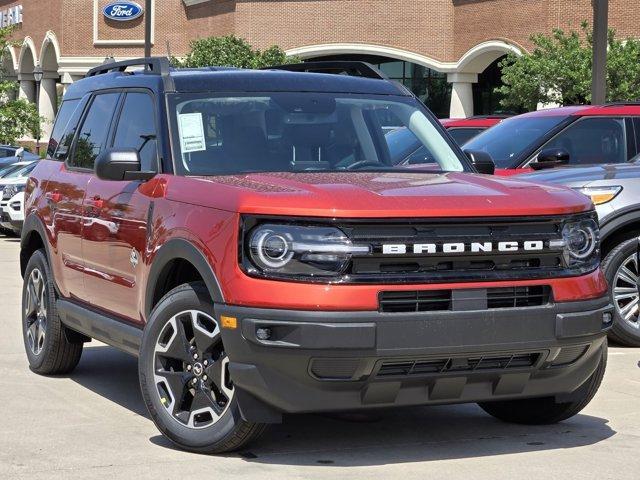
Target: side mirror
550, 157
482, 161
119, 165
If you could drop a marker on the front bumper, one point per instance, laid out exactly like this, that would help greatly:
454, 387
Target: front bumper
331, 361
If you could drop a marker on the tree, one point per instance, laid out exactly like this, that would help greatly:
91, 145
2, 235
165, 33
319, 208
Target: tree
231, 51
558, 70
18, 117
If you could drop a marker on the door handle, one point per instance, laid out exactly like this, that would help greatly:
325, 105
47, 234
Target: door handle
54, 197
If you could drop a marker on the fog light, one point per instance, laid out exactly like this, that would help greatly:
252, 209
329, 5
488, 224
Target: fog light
607, 318
263, 333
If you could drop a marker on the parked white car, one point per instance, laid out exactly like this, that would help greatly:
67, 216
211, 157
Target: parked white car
14, 210
11, 185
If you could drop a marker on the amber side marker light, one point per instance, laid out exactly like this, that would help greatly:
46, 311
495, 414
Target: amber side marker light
229, 322
600, 195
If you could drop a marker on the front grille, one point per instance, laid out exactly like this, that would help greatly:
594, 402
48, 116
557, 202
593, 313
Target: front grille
404, 368
443, 300
415, 301
463, 266
512, 297
442, 250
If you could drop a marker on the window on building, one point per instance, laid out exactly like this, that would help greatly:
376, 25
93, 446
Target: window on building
430, 86
93, 133
136, 128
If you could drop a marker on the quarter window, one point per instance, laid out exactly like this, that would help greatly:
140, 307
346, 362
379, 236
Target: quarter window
593, 140
93, 133
136, 129
60, 127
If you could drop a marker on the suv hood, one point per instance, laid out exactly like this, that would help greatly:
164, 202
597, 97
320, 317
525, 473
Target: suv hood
14, 181
397, 194
581, 176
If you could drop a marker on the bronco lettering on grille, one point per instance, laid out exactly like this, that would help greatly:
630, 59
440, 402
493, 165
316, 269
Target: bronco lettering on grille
461, 247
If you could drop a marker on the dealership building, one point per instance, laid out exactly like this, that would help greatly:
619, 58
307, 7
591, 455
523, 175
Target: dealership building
446, 51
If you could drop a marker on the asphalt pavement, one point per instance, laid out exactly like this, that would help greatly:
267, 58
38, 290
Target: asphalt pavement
93, 424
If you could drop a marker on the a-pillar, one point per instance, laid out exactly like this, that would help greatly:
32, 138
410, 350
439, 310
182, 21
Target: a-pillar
48, 102
461, 94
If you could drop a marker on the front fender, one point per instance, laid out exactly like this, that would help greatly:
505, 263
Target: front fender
183, 249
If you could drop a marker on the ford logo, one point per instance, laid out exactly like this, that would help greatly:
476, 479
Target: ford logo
122, 11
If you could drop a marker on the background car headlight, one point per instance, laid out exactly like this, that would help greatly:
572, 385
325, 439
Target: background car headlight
582, 239
299, 250
600, 195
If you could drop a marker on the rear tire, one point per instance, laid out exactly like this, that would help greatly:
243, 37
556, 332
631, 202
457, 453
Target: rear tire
184, 379
542, 411
46, 342
620, 268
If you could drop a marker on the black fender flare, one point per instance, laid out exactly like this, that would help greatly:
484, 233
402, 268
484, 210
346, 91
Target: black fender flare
183, 249
622, 219
32, 225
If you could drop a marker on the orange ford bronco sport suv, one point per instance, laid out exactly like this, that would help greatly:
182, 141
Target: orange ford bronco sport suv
248, 236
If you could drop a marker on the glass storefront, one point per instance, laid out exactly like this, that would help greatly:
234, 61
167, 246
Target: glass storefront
429, 85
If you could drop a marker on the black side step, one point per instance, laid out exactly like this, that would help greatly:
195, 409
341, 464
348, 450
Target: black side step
104, 329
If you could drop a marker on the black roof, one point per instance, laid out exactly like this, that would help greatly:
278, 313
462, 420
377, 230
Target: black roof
223, 79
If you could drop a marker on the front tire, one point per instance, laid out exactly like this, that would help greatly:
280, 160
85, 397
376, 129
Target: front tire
184, 377
620, 267
543, 411
46, 342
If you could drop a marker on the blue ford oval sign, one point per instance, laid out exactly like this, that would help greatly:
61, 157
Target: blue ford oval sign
122, 11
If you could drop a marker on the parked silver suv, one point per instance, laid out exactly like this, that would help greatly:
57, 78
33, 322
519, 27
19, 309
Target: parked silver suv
615, 190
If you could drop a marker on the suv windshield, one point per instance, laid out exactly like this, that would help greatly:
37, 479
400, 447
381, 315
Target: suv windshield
296, 132
506, 141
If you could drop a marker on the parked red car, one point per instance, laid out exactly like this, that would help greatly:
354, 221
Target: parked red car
578, 135
464, 129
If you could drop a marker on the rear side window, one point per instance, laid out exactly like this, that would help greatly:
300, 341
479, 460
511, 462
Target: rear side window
593, 140
60, 127
463, 135
136, 128
6, 152
93, 133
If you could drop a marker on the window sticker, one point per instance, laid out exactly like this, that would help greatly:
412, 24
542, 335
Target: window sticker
191, 130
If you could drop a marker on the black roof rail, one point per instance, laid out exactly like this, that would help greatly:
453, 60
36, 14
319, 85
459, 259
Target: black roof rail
630, 103
153, 65
338, 67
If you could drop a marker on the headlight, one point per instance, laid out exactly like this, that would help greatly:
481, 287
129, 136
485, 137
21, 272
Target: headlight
581, 239
600, 195
295, 250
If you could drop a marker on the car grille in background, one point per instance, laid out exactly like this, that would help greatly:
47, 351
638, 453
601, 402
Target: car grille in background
8, 193
441, 300
457, 364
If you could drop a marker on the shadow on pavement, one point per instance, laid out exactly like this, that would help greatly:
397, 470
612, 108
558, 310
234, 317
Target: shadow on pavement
111, 374
412, 434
